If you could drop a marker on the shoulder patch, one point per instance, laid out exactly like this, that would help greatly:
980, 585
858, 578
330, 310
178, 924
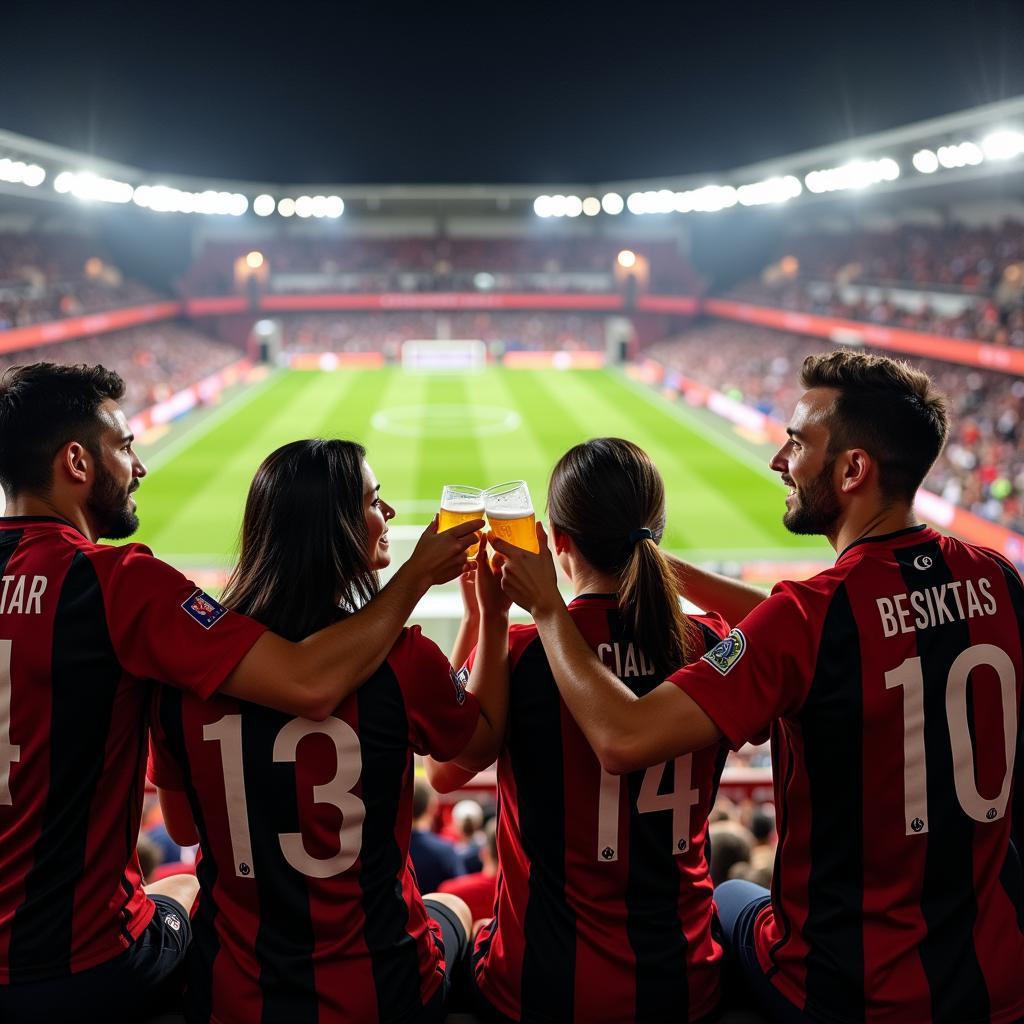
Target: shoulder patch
725, 654
459, 679
201, 607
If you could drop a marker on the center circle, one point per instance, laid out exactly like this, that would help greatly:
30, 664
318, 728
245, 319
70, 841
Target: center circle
445, 420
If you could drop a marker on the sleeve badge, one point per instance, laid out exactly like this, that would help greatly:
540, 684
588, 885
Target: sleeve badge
201, 607
725, 655
459, 680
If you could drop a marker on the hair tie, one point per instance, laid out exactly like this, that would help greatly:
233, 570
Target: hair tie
642, 534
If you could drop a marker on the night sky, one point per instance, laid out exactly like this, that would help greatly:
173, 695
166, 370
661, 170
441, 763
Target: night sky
509, 92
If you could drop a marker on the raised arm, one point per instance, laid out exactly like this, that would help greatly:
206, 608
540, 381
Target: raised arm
488, 680
310, 678
713, 592
625, 732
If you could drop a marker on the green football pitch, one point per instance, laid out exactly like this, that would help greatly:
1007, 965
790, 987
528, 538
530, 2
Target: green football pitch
422, 431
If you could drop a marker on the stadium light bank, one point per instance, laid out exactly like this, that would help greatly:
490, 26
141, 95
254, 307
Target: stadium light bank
954, 147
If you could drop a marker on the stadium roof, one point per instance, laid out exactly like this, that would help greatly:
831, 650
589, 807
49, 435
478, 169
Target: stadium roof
943, 154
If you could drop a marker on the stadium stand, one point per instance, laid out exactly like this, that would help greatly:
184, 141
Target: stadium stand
48, 277
982, 467
419, 264
156, 361
955, 281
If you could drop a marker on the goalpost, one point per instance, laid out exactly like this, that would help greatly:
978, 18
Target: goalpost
466, 355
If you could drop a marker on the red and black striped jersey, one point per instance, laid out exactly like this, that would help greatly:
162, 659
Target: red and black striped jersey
309, 909
892, 685
604, 903
83, 627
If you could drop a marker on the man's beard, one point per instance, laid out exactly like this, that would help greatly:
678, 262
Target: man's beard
111, 506
815, 507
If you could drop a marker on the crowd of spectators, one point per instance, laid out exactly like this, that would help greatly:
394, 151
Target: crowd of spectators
385, 332
979, 319
50, 277
155, 360
982, 467
952, 256
439, 264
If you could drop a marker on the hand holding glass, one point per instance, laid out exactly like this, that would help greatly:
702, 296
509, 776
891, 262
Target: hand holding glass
460, 504
510, 514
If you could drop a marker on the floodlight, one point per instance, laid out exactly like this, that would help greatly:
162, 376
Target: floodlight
286, 206
335, 206
263, 206
34, 175
573, 206
254, 260
637, 202
1003, 144
62, 183
591, 206
542, 206
612, 203
304, 206
626, 259
926, 161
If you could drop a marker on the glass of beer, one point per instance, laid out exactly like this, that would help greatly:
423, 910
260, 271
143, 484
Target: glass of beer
510, 514
460, 504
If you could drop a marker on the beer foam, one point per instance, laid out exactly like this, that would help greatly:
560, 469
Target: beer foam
459, 507
509, 513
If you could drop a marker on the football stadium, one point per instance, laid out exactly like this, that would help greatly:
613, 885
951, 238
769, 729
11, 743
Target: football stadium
768, 405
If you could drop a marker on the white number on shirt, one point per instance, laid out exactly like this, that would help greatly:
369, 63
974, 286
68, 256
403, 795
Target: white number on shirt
9, 752
337, 793
680, 800
910, 676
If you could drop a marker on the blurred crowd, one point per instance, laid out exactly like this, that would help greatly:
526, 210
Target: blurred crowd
50, 277
955, 281
585, 265
979, 319
155, 360
982, 467
952, 256
385, 332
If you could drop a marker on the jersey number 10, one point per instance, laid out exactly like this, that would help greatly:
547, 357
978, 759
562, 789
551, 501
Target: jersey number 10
910, 676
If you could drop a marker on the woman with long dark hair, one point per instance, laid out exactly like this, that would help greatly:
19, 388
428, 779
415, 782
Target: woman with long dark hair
308, 907
604, 903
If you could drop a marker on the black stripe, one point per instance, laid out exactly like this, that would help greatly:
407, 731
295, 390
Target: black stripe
383, 734
84, 678
948, 901
285, 939
1012, 874
782, 827
536, 757
652, 885
831, 723
205, 945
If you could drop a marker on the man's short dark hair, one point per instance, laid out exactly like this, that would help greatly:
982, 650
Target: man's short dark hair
43, 406
885, 406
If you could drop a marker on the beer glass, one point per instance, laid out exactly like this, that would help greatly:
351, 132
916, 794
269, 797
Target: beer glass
510, 514
460, 504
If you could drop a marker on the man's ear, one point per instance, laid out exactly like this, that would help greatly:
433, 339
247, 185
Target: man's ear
74, 462
857, 467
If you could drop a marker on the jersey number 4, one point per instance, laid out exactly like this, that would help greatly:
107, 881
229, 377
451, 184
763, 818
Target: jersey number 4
910, 676
227, 731
680, 800
9, 752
